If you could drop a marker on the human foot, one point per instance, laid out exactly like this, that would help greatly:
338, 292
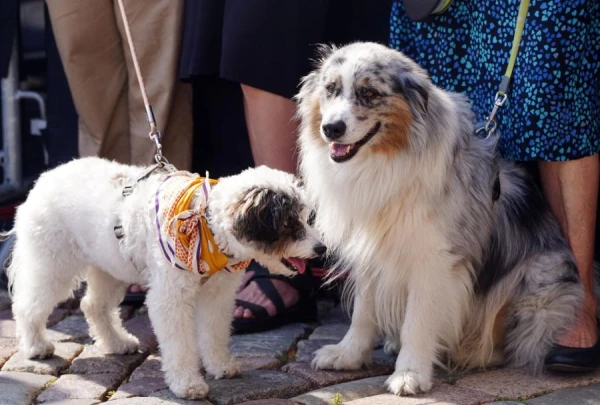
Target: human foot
585, 331
265, 301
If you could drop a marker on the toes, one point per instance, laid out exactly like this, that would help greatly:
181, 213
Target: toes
248, 314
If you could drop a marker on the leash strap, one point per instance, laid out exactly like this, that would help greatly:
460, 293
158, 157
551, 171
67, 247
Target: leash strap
154, 133
502, 95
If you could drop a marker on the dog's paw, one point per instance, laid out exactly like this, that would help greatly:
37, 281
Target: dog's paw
337, 357
124, 344
39, 350
391, 347
228, 370
189, 387
407, 382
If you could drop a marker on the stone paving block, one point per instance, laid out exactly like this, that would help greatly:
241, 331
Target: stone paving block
8, 347
141, 327
56, 316
336, 315
332, 331
75, 386
345, 391
254, 385
168, 398
7, 324
73, 328
307, 347
140, 388
150, 368
380, 357
511, 384
259, 363
93, 361
583, 395
64, 353
272, 401
73, 402
505, 403
21, 388
440, 395
323, 378
324, 306
5, 301
276, 342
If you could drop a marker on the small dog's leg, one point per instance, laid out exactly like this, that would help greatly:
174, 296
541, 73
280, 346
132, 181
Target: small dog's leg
437, 302
40, 281
171, 307
215, 304
101, 308
356, 347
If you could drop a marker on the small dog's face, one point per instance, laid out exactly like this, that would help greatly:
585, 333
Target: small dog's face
363, 96
270, 217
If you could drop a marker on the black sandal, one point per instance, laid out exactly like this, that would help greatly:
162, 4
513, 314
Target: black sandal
574, 359
304, 310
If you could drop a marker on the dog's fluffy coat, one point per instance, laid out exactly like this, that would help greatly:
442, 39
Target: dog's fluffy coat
404, 194
64, 234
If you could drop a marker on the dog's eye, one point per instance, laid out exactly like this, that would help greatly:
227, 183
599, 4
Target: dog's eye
369, 94
330, 88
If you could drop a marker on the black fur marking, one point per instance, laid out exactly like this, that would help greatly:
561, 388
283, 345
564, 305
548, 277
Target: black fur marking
268, 218
361, 118
415, 93
527, 217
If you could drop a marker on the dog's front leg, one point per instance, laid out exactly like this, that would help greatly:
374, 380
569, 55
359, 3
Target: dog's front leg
215, 303
356, 347
171, 306
437, 299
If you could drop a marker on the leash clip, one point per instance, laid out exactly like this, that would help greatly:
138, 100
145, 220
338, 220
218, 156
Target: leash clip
490, 123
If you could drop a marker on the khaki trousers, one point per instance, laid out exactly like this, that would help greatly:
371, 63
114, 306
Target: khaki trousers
94, 50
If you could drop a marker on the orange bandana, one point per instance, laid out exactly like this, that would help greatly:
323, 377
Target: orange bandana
183, 232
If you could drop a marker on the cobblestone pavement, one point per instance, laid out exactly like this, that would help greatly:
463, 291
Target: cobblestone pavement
275, 366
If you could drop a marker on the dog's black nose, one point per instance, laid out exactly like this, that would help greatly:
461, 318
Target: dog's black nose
320, 249
334, 130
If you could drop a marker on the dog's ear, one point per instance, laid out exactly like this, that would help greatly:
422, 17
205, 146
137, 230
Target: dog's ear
262, 214
414, 85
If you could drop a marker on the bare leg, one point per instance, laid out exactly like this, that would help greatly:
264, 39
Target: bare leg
571, 189
272, 128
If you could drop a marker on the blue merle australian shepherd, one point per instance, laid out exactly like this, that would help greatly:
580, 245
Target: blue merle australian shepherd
441, 264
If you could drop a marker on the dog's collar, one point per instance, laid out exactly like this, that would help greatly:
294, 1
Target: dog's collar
183, 232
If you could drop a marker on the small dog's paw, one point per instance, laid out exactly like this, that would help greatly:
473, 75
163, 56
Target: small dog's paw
125, 344
337, 357
189, 387
391, 347
407, 382
39, 350
228, 370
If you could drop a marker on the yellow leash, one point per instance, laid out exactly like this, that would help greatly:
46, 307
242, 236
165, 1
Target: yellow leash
502, 95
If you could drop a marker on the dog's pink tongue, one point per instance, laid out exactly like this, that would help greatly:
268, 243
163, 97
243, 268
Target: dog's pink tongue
339, 149
300, 264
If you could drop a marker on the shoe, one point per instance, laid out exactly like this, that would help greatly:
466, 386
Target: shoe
574, 359
304, 310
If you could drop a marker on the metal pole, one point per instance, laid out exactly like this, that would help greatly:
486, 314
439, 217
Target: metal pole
11, 124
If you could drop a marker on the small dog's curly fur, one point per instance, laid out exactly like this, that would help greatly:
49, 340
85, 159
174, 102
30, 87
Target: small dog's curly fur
64, 234
441, 263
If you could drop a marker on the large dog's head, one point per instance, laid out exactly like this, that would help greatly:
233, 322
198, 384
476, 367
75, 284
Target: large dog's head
262, 214
363, 98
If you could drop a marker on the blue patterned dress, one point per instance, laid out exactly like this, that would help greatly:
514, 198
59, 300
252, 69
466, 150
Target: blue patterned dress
553, 110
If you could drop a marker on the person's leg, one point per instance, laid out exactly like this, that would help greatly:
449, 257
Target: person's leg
272, 128
571, 189
156, 32
89, 44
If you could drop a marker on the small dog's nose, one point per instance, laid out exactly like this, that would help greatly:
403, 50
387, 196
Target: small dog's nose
320, 249
334, 130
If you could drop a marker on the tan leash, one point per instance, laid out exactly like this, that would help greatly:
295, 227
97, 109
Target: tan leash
154, 133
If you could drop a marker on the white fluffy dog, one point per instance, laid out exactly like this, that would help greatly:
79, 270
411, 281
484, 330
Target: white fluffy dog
65, 233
